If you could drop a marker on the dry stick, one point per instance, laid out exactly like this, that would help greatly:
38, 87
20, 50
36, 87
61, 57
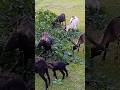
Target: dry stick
72, 42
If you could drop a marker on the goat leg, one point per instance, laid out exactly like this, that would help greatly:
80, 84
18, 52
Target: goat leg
66, 71
43, 77
104, 55
48, 76
62, 74
54, 74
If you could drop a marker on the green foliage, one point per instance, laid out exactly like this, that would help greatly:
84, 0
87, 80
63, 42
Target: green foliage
10, 11
96, 18
13, 8
43, 21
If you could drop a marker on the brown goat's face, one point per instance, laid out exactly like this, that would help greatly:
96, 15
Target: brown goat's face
95, 51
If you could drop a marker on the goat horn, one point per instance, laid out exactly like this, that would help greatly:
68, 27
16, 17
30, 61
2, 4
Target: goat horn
72, 41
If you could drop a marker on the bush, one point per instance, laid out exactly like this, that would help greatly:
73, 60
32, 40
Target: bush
43, 21
9, 10
96, 18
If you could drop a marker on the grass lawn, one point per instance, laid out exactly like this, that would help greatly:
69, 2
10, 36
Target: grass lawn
75, 81
69, 7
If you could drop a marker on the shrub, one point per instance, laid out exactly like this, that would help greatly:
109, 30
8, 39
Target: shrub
43, 20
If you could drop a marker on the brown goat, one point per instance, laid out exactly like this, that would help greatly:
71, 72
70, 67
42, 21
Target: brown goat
80, 41
111, 33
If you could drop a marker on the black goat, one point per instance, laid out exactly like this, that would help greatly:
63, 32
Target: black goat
22, 39
46, 42
41, 68
60, 19
58, 65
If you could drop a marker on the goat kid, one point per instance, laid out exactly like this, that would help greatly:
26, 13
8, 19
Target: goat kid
58, 65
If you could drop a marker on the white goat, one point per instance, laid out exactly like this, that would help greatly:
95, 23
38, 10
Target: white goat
73, 23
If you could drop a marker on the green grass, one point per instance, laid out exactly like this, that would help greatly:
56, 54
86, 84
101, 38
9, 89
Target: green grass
75, 81
112, 7
69, 7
